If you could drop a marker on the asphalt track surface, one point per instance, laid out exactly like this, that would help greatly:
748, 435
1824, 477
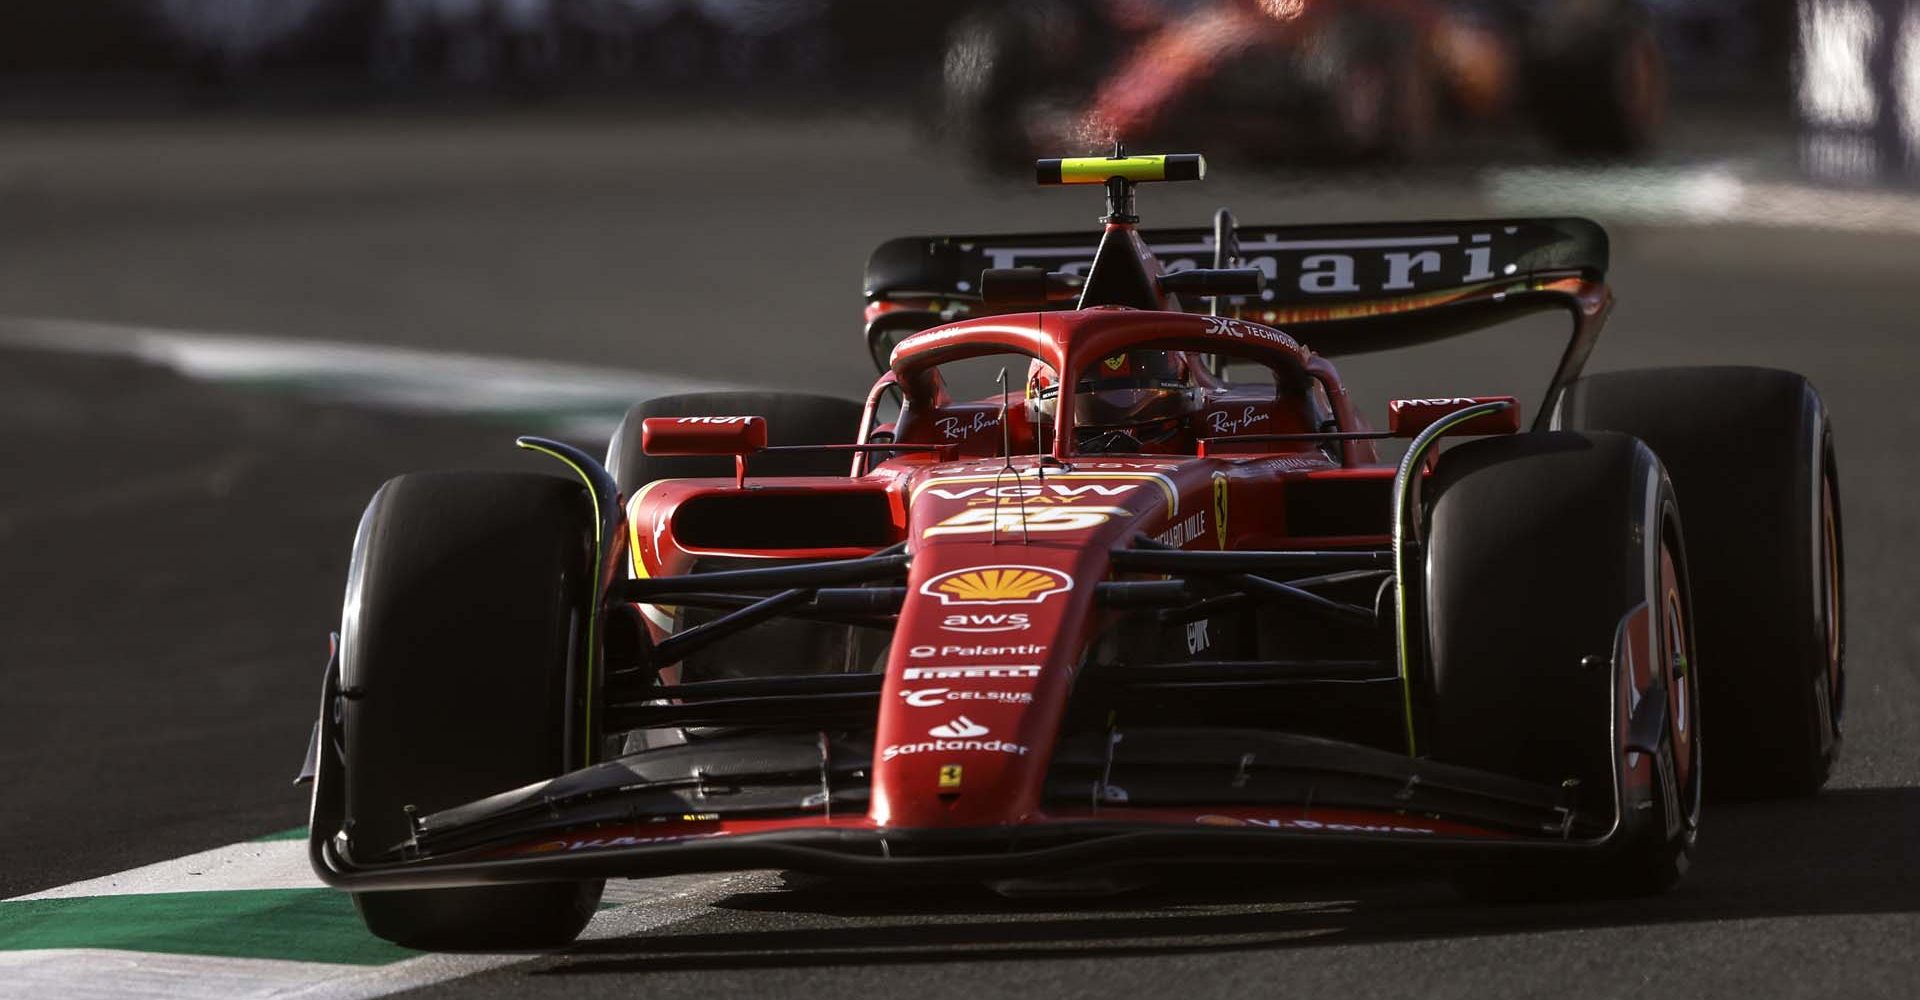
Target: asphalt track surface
173, 552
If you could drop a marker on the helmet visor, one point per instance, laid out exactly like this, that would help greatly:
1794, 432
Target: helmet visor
1127, 390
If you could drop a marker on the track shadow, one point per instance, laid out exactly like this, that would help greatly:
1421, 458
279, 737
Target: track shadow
1849, 851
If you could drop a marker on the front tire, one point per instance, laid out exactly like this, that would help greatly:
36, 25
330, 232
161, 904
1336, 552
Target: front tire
1557, 602
466, 601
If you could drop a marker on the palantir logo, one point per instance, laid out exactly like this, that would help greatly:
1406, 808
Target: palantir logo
961, 728
997, 585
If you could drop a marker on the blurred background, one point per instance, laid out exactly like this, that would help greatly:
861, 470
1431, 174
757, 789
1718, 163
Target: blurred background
1291, 80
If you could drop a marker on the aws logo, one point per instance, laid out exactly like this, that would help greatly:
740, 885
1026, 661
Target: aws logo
988, 621
997, 585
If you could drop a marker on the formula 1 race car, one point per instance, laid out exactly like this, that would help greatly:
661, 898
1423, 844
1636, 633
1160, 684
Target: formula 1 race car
1163, 605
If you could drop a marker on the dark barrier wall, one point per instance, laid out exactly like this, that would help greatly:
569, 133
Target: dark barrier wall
74, 36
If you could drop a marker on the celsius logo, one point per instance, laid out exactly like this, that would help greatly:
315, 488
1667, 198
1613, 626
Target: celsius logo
989, 622
961, 728
936, 697
997, 585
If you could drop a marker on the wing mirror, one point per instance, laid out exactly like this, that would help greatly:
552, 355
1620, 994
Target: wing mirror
1408, 417
703, 435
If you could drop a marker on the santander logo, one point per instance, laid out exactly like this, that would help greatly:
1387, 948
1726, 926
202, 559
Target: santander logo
961, 728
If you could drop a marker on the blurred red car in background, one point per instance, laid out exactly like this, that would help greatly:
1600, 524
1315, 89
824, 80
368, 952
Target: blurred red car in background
1301, 79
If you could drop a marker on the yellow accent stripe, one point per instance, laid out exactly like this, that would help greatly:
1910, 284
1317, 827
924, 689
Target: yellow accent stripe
633, 530
593, 580
1410, 467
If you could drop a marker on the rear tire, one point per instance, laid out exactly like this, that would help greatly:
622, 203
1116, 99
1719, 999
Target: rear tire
1539, 547
1751, 455
792, 418
466, 597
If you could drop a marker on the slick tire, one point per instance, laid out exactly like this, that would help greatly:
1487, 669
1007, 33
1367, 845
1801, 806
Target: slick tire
792, 418
1751, 454
465, 598
1598, 77
1543, 552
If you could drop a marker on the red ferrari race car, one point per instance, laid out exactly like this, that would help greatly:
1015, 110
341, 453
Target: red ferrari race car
1301, 79
1162, 604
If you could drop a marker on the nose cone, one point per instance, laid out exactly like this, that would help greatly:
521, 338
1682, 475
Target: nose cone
979, 676
999, 607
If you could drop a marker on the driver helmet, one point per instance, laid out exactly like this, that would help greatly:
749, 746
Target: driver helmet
1123, 402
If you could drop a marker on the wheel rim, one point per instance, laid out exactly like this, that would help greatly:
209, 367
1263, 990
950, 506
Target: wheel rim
1676, 657
1830, 565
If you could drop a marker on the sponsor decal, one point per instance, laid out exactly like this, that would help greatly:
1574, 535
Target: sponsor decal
1184, 530
1018, 520
960, 428
711, 420
1115, 363
1198, 638
606, 843
950, 775
1020, 649
1332, 266
937, 697
997, 585
1036, 493
987, 622
1224, 422
1237, 329
970, 673
1116, 473
961, 728
1220, 509
1310, 825
1298, 463
953, 746
1455, 401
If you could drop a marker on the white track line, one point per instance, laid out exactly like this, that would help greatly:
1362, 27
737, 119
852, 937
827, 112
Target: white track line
583, 401
580, 401
261, 864
639, 906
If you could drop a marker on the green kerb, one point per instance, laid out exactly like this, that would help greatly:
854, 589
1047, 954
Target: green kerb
303, 925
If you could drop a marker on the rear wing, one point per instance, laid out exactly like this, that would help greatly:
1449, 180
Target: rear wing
1350, 287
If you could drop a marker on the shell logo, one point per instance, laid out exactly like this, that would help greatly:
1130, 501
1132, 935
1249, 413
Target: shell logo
998, 585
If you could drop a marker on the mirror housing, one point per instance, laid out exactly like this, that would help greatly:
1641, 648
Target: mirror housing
703, 435
1406, 418
1028, 287
1212, 281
